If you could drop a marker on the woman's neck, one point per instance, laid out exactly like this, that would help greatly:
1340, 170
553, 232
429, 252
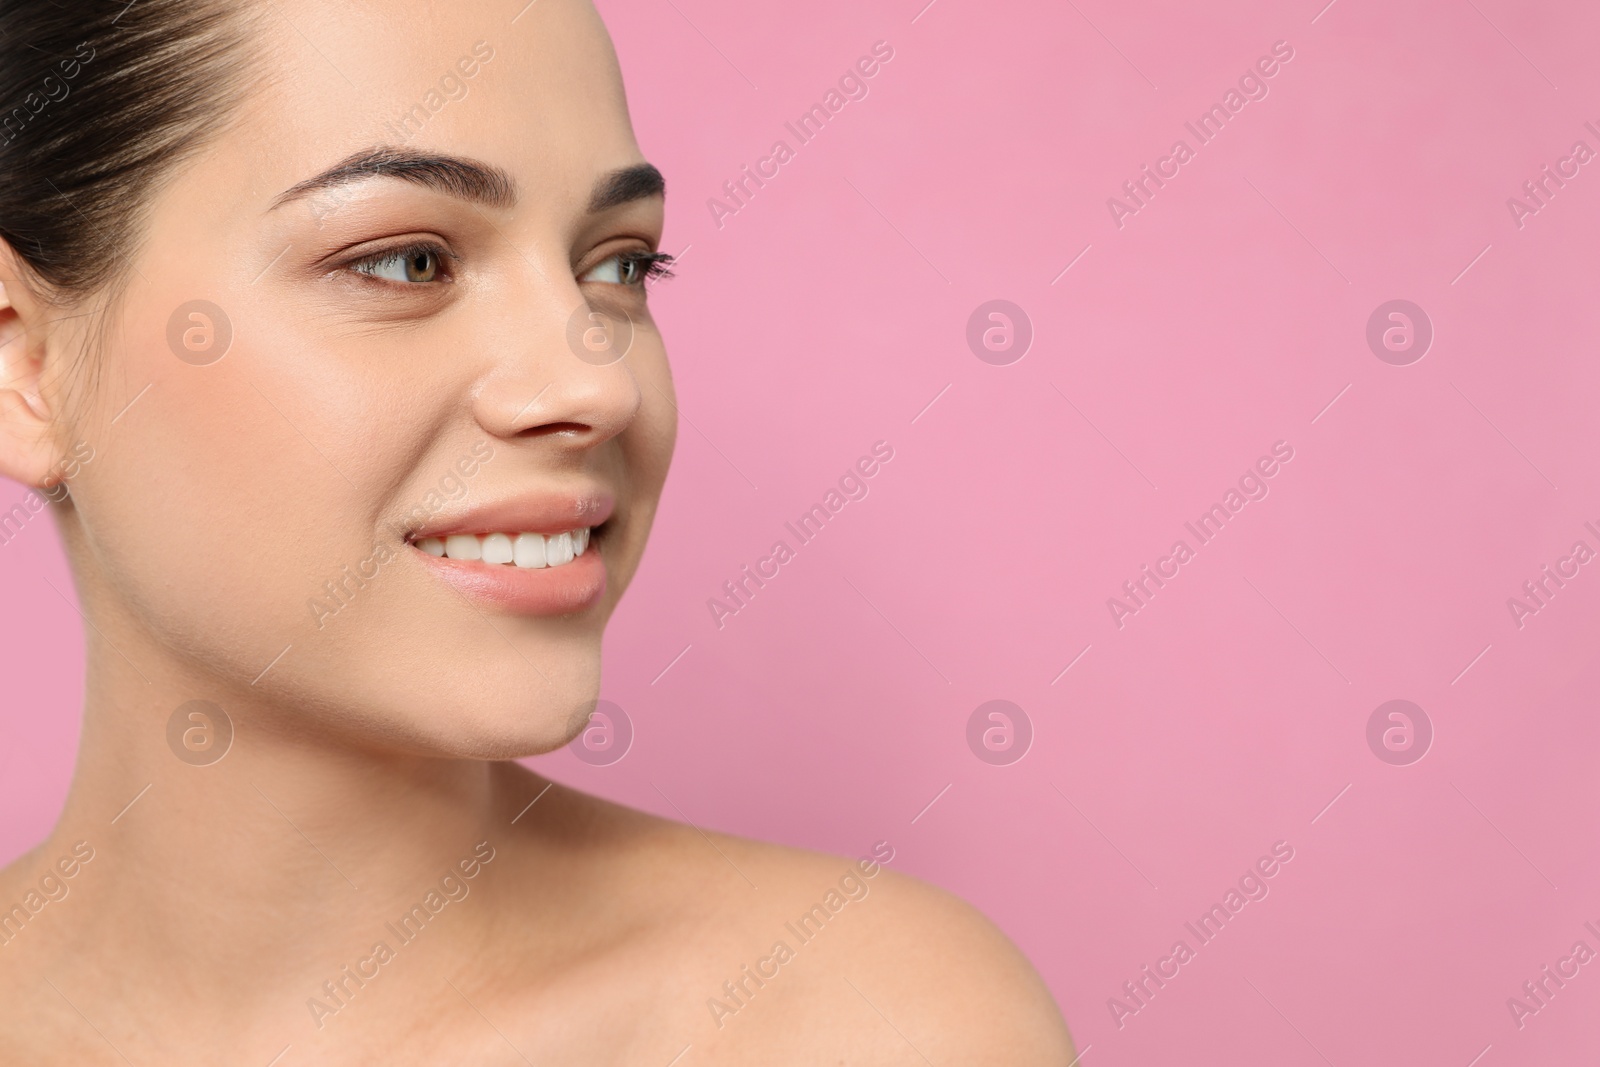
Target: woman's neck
247, 875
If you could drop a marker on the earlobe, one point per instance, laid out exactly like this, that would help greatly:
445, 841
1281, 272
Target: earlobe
27, 438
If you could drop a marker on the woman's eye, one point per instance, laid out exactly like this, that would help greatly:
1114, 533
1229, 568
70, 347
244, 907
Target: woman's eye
410, 265
630, 268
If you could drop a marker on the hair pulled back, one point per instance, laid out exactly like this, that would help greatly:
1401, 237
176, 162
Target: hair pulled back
99, 100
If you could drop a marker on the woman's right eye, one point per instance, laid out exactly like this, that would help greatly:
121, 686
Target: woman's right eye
405, 266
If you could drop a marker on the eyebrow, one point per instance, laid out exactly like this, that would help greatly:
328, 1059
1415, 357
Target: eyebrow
464, 178
469, 179
638, 182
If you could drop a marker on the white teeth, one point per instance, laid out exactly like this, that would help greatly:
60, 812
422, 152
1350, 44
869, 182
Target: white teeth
497, 548
558, 549
463, 546
529, 551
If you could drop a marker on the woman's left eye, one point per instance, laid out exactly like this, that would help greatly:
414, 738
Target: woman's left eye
630, 268
407, 265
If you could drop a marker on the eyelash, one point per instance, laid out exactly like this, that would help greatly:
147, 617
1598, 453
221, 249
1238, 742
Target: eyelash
653, 264
365, 265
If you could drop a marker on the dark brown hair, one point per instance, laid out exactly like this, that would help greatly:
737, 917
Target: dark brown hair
99, 99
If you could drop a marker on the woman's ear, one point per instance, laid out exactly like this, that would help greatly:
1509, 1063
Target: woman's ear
29, 451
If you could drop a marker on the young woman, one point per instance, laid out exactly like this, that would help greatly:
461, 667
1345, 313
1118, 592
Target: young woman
325, 331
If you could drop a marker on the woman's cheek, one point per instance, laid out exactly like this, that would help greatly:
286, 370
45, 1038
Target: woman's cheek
247, 509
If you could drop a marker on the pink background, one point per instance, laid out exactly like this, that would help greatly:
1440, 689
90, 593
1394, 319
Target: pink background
1225, 316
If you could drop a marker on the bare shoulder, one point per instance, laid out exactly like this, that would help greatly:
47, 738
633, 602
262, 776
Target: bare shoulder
783, 955
915, 970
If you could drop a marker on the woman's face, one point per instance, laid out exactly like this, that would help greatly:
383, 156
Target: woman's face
422, 353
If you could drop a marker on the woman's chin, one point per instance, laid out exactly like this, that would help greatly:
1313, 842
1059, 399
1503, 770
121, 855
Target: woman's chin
483, 723
500, 703
502, 730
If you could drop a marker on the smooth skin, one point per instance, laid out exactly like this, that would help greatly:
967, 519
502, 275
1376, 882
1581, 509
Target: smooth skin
373, 753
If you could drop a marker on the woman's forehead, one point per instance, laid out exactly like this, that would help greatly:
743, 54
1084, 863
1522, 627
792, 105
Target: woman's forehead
533, 90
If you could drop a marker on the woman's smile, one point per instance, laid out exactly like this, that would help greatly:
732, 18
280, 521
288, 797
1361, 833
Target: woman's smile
525, 555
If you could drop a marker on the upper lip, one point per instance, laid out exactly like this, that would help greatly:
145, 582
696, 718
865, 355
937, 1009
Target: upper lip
543, 513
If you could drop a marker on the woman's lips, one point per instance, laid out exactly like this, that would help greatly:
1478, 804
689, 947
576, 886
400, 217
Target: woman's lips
541, 514
524, 573
527, 555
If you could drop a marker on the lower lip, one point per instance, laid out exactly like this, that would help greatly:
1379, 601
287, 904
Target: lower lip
573, 586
